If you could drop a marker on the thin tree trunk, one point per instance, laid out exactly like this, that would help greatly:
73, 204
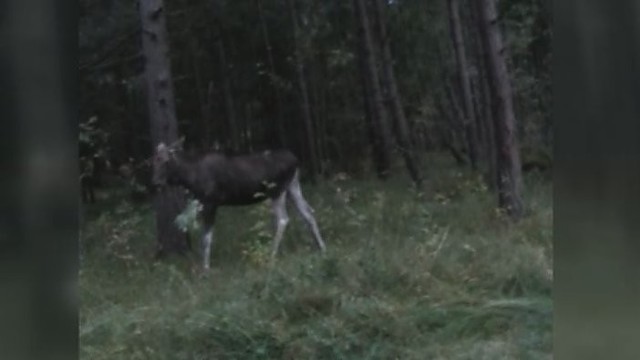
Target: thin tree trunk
202, 97
508, 158
208, 117
465, 84
483, 101
458, 115
232, 121
304, 94
405, 141
272, 69
492, 171
319, 106
248, 128
447, 134
456, 118
486, 120
162, 113
372, 130
383, 141
322, 126
470, 34
478, 115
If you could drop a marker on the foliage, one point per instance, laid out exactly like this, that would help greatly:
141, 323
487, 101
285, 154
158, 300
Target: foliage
93, 144
112, 88
437, 274
528, 34
404, 277
187, 220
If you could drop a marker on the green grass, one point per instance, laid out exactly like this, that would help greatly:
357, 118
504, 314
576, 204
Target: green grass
438, 276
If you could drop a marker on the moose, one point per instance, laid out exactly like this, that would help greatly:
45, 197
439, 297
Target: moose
222, 180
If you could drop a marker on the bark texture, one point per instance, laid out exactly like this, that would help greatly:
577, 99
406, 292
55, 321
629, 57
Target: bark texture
229, 103
305, 108
464, 81
380, 126
162, 113
403, 134
279, 121
509, 173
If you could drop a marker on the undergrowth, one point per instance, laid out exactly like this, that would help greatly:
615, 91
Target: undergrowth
440, 275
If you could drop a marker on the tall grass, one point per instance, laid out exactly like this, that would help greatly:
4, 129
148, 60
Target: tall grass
441, 275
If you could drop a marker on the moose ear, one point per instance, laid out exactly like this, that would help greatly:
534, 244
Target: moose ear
162, 151
161, 148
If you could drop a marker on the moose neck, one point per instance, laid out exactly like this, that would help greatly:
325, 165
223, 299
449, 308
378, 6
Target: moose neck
183, 172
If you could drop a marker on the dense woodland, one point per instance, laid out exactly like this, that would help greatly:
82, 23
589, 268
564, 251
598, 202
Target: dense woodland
348, 86
381, 92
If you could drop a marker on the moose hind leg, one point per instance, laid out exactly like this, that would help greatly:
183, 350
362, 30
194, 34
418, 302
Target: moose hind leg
207, 219
279, 208
207, 239
305, 210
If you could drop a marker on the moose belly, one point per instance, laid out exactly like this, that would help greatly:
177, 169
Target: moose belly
240, 198
243, 200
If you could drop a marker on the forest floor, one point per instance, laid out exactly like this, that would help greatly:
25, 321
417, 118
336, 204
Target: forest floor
438, 276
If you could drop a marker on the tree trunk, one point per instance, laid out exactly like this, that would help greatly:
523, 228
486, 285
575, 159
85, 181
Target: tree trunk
202, 96
470, 35
279, 122
317, 81
447, 133
478, 115
162, 113
232, 121
372, 131
458, 115
367, 103
403, 134
485, 116
465, 83
304, 94
491, 176
322, 126
383, 141
451, 105
508, 158
208, 117
492, 167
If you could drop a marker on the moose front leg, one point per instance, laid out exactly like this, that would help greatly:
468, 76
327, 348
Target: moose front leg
207, 240
209, 214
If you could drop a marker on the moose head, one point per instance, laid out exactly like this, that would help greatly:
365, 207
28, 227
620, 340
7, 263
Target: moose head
163, 159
